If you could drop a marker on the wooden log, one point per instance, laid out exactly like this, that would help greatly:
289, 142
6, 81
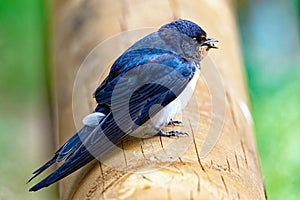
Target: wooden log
218, 160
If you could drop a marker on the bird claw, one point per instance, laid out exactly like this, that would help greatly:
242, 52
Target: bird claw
175, 122
171, 133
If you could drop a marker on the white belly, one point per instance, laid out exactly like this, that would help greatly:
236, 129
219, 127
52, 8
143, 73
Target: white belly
163, 117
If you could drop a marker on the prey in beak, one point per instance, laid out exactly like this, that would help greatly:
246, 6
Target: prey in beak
205, 45
209, 43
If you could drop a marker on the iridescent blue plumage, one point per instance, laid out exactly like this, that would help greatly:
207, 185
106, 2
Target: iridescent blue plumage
154, 71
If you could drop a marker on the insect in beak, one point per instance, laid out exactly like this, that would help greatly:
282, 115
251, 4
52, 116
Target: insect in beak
210, 43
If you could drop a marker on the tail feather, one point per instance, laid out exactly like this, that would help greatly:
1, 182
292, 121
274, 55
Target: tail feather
66, 150
43, 168
74, 143
67, 168
101, 140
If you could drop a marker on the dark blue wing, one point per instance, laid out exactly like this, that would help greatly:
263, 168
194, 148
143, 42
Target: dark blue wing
139, 57
156, 77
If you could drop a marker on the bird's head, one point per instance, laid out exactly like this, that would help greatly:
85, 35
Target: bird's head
194, 32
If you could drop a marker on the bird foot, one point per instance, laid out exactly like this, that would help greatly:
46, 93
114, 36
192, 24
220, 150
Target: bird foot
170, 133
175, 122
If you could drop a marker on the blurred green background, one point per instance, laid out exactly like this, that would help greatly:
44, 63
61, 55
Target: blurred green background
24, 106
270, 38
269, 32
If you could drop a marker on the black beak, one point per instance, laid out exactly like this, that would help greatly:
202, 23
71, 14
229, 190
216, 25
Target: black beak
210, 42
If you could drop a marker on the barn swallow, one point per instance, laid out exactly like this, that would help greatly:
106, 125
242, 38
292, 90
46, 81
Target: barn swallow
145, 88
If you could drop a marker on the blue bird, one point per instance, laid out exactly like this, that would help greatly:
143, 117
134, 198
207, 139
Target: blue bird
145, 88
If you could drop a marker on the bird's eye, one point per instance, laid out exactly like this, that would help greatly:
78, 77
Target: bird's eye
201, 38
194, 38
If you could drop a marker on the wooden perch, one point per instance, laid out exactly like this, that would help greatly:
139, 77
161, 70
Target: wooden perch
161, 168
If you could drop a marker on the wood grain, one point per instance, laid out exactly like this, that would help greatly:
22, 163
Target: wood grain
160, 168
